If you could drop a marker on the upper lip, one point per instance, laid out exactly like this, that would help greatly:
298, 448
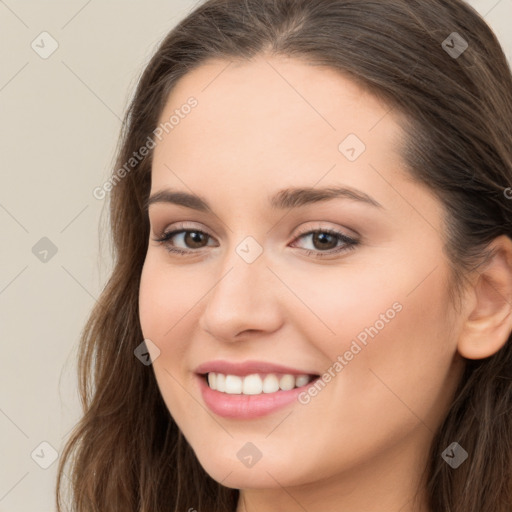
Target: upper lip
247, 368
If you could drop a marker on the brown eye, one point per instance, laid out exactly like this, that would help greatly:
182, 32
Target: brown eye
324, 242
191, 239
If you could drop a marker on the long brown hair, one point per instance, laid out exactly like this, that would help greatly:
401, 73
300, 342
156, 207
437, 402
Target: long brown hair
127, 453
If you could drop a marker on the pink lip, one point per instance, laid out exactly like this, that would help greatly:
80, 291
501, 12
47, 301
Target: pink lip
247, 367
246, 406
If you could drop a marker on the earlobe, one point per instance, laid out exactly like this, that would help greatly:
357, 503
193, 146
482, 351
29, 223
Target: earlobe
489, 322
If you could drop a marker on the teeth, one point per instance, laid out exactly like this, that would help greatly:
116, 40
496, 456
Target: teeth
252, 385
301, 380
287, 382
233, 384
256, 384
270, 383
220, 382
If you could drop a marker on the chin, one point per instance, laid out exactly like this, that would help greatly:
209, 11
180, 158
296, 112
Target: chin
266, 473
246, 478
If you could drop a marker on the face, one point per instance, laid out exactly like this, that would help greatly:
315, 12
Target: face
337, 299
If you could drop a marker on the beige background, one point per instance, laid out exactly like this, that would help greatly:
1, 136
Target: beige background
59, 122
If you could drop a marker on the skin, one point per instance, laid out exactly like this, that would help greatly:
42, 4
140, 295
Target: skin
362, 443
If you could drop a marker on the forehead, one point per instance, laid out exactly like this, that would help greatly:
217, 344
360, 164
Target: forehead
270, 121
277, 88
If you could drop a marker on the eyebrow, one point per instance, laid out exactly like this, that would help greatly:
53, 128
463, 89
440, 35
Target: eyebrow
284, 199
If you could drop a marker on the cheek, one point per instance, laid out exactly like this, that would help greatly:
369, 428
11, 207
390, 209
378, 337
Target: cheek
416, 354
401, 371
392, 309
386, 334
166, 305
338, 306
166, 297
164, 302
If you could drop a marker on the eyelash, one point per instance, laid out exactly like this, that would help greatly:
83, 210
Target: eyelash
350, 242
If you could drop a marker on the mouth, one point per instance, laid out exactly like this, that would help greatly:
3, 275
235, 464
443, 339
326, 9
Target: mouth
246, 390
256, 383
248, 397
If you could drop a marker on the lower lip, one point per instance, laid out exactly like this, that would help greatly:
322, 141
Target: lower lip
247, 406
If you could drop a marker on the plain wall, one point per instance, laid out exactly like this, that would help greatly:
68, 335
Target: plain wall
59, 122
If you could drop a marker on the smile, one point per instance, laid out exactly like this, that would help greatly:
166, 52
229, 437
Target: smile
256, 383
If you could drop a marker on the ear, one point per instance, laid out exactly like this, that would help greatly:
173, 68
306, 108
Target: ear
489, 322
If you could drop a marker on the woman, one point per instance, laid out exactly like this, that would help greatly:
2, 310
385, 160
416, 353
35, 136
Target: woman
312, 238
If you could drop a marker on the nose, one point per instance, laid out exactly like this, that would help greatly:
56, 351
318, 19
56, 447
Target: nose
243, 298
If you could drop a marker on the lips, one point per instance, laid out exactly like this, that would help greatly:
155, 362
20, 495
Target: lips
250, 389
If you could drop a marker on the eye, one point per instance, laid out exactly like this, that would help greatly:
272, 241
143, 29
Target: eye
327, 240
192, 238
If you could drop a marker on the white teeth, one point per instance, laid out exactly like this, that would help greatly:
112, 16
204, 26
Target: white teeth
254, 384
220, 382
287, 382
233, 384
270, 383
